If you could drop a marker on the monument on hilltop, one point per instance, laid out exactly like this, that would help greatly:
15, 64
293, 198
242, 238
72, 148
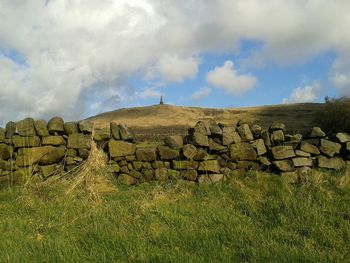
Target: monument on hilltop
161, 100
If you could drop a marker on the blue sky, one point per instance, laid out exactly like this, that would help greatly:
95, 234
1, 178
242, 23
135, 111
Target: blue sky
79, 58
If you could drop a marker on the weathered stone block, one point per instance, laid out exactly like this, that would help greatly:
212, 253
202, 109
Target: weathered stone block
161, 174
71, 127
26, 127
214, 128
245, 132
102, 134
282, 152
302, 161
329, 148
301, 153
190, 175
200, 139
146, 154
41, 128
83, 153
331, 163
174, 142
86, 127
210, 178
50, 170
202, 128
115, 131
2, 135
56, 124
79, 141
309, 148
189, 151
10, 129
248, 165
243, 152
343, 137
20, 142
266, 137
277, 137
44, 155
316, 132
256, 130
229, 136
284, 165
121, 148
259, 145
201, 154
127, 179
53, 140
211, 166
126, 134
216, 147
5, 151
277, 126
166, 153
264, 162
147, 175
185, 165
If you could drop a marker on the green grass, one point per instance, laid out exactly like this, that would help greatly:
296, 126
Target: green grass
249, 218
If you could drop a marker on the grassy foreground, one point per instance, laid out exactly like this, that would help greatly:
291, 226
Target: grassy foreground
253, 217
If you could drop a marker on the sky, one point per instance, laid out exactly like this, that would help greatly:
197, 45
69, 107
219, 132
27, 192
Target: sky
77, 58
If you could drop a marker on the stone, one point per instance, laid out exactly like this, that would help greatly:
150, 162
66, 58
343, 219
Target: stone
189, 151
210, 178
309, 148
229, 136
126, 134
130, 167
216, 147
335, 163
26, 127
190, 175
161, 174
174, 142
243, 152
200, 139
20, 142
284, 165
348, 146
56, 124
256, 130
71, 127
316, 132
147, 175
146, 154
301, 153
266, 137
259, 146
211, 166
70, 160
214, 128
115, 131
202, 128
53, 140
158, 164
282, 152
83, 153
41, 128
44, 155
50, 170
166, 153
85, 127
135, 174
248, 165
120, 148
296, 138
124, 169
277, 126
127, 179
201, 154
343, 137
79, 141
78, 159
329, 148
264, 161
302, 161
115, 168
277, 137
147, 165
10, 129
102, 134
130, 158
185, 165
137, 165
245, 132
313, 141
5, 151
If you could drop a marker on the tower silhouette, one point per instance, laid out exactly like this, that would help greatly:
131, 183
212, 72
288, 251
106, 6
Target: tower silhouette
161, 100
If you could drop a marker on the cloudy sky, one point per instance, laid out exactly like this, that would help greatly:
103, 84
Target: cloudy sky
75, 58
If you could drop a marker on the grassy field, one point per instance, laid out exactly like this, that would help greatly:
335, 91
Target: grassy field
251, 217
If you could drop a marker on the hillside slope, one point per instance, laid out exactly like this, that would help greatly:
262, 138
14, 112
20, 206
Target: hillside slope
168, 119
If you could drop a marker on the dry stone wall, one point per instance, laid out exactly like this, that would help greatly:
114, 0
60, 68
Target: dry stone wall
209, 153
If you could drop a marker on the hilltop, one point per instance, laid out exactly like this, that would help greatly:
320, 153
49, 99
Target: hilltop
168, 119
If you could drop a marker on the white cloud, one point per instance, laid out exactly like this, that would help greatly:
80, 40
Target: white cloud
227, 78
67, 48
308, 93
340, 76
201, 93
175, 69
149, 93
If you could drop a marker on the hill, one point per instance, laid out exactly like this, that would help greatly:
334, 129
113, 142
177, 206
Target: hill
161, 120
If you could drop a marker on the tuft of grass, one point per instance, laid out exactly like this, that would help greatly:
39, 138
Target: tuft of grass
252, 217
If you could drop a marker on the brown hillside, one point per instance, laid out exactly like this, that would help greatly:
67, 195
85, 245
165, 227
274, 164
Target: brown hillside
161, 120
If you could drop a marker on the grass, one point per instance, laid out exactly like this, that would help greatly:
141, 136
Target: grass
253, 217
